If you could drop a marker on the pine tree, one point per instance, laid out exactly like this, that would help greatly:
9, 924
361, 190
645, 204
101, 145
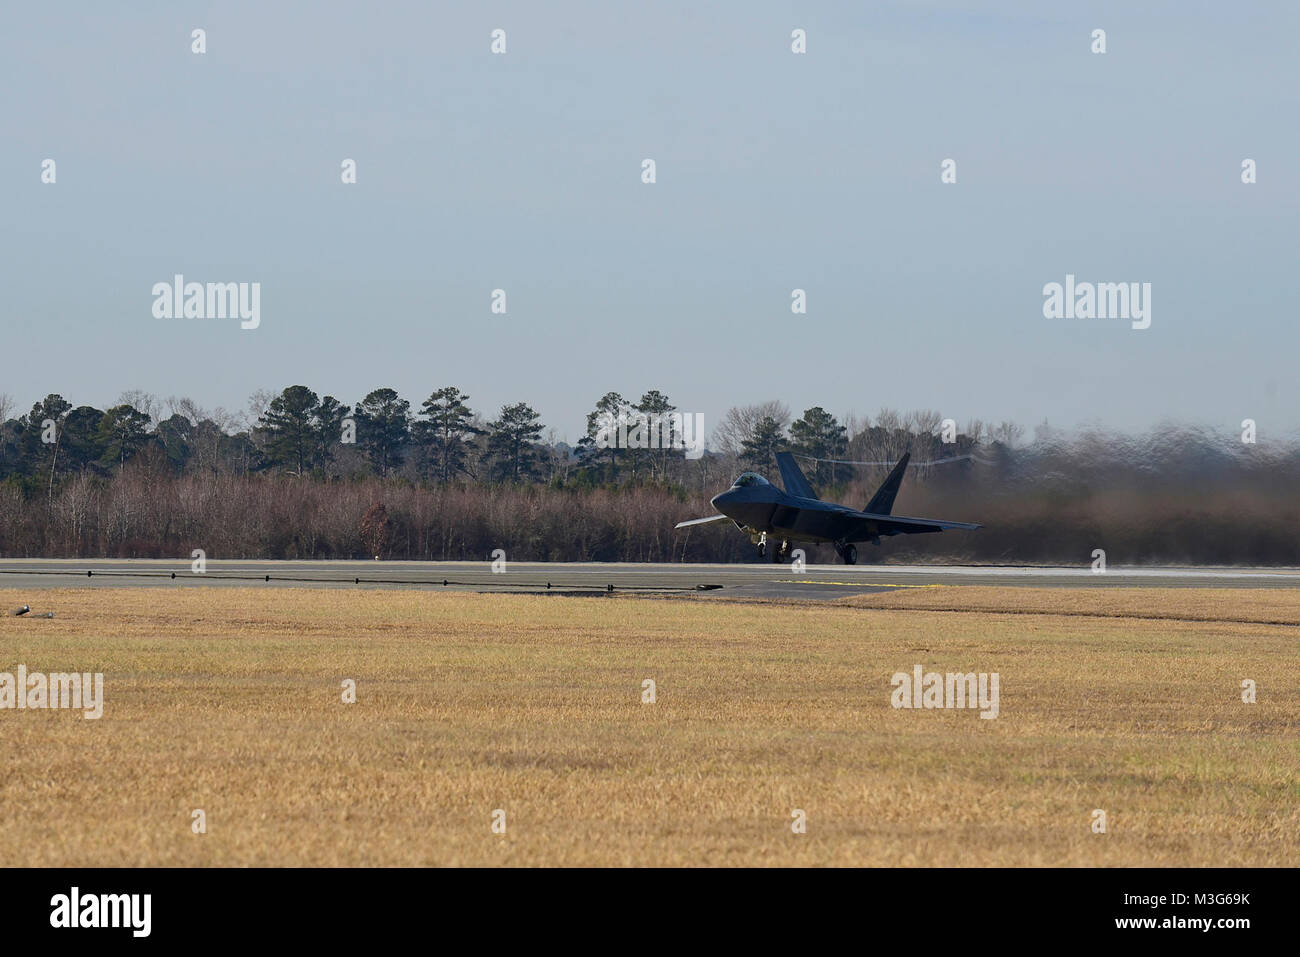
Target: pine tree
123, 431
446, 431
512, 442
288, 428
39, 443
328, 423
818, 435
81, 446
384, 428
605, 419
654, 405
759, 450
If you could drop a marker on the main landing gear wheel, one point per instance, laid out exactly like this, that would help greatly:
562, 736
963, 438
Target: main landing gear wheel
783, 553
849, 553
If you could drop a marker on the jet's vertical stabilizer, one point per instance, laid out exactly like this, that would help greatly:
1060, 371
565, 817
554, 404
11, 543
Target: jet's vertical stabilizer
882, 503
792, 477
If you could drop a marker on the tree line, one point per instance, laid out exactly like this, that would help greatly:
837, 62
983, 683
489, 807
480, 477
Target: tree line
300, 432
298, 475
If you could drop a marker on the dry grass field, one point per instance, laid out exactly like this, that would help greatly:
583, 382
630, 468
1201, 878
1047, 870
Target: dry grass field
231, 701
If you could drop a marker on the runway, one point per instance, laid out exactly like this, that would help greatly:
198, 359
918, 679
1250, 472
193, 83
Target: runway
734, 581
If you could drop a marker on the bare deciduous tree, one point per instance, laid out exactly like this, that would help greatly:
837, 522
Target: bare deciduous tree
1008, 433
740, 421
142, 401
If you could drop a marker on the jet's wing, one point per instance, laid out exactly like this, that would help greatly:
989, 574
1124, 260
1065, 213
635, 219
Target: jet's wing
898, 525
703, 521
792, 476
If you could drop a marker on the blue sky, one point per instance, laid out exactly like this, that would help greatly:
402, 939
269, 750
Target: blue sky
775, 172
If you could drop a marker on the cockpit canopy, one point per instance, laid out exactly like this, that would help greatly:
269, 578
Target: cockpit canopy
749, 480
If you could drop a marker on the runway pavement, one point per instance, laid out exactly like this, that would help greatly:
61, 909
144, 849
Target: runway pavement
754, 580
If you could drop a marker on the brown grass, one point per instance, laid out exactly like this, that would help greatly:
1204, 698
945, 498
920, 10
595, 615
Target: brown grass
229, 701
1265, 606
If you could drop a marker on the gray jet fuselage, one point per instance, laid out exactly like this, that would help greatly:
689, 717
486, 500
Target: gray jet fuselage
765, 508
796, 514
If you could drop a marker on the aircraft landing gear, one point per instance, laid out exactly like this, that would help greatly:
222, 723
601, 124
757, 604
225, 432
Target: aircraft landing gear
762, 545
782, 554
848, 553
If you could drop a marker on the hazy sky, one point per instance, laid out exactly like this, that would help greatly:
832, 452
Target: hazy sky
775, 171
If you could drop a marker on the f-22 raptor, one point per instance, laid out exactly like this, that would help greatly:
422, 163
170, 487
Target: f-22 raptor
759, 509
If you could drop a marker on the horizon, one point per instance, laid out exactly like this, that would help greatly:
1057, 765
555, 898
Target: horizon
239, 420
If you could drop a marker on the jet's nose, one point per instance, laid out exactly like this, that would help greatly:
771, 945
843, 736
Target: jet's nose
720, 500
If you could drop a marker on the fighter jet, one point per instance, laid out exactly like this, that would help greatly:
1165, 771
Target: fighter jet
759, 509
